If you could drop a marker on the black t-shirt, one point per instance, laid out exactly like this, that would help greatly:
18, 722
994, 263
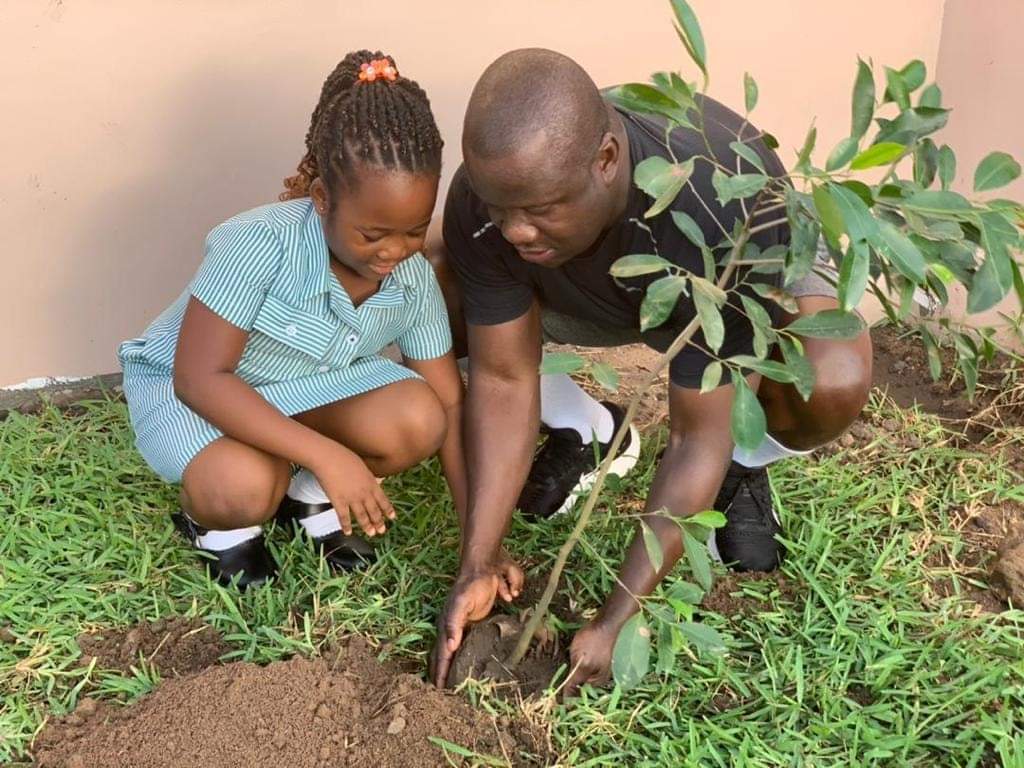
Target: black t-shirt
499, 286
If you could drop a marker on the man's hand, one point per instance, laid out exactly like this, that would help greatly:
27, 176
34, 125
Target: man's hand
470, 600
590, 657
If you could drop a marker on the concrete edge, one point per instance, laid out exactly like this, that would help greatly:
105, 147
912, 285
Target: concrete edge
60, 395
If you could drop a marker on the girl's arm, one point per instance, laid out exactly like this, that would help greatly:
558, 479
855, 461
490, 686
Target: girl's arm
442, 374
208, 351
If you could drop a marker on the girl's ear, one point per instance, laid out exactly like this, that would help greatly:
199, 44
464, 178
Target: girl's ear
321, 198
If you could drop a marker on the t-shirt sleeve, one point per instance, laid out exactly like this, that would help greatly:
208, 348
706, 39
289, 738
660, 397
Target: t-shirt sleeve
429, 334
241, 259
491, 294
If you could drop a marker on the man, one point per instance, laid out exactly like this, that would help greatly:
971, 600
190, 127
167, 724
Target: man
541, 209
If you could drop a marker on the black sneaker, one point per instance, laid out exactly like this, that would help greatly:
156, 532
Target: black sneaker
249, 562
564, 468
342, 553
747, 541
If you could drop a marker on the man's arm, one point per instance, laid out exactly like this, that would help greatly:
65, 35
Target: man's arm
688, 478
502, 416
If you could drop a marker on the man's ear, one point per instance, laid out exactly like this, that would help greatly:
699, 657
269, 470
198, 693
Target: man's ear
321, 198
609, 154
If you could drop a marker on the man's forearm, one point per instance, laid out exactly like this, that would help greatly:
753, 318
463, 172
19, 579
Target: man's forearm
686, 483
502, 417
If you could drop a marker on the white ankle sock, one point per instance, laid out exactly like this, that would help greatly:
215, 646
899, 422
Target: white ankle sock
770, 450
564, 405
306, 488
217, 541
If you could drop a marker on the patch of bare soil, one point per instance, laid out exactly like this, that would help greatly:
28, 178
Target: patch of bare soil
727, 597
349, 710
174, 647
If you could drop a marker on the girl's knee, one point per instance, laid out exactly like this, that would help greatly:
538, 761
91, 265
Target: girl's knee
417, 431
235, 489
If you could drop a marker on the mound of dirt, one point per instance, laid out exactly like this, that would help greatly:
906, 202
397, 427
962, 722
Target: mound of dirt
175, 646
346, 710
487, 646
1008, 572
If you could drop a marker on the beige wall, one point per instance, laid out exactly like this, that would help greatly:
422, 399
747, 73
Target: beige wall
132, 128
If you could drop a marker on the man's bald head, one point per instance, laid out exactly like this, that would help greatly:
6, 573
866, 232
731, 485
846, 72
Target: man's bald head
531, 97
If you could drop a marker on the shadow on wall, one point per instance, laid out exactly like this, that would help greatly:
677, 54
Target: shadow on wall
224, 143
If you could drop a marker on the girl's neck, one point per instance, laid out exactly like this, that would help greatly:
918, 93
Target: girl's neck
358, 288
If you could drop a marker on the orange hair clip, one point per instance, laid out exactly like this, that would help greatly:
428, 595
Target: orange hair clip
377, 69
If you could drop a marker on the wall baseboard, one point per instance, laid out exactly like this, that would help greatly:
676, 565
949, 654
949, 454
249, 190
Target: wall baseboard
60, 394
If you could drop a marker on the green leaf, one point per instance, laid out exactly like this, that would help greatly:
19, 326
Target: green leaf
710, 320
997, 170
902, 251
631, 657
934, 357
666, 649
685, 224
605, 375
913, 75
799, 365
678, 175
938, 201
742, 185
828, 324
947, 166
863, 100
660, 300
712, 376
854, 271
641, 97
703, 637
926, 162
912, 124
690, 34
987, 288
896, 89
769, 140
709, 518
747, 418
697, 557
828, 212
652, 174
653, 546
672, 85
770, 368
747, 153
709, 289
686, 592
779, 296
858, 222
803, 159
842, 154
749, 91
931, 97
878, 154
561, 362
639, 264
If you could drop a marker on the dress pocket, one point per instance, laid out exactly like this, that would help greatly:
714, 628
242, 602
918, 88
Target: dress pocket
295, 327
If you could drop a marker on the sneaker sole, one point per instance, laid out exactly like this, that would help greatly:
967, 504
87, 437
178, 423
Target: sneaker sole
621, 467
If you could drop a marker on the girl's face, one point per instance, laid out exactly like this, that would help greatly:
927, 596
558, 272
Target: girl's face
378, 221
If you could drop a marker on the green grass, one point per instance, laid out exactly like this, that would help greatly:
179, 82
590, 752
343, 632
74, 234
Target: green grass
858, 662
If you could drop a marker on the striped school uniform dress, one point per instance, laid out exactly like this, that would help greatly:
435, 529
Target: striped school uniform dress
267, 272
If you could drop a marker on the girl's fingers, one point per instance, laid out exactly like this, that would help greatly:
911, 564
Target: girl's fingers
376, 514
344, 518
385, 504
359, 511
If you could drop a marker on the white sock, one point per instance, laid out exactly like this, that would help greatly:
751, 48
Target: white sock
217, 541
770, 450
564, 405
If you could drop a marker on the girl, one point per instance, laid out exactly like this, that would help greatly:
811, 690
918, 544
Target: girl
271, 356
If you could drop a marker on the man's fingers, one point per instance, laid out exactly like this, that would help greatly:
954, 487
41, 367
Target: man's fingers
514, 575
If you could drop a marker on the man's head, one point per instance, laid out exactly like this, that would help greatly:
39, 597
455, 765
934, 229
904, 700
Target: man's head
545, 154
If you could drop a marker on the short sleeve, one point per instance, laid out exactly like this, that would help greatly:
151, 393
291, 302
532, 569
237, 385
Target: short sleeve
428, 334
241, 259
491, 294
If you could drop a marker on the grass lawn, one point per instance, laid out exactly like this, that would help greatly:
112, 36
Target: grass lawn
853, 657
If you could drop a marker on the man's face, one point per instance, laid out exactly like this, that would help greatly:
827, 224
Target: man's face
550, 211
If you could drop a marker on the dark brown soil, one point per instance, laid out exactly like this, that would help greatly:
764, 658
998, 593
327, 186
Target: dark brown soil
728, 599
486, 648
344, 710
175, 647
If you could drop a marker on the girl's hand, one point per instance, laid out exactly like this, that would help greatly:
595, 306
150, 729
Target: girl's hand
354, 492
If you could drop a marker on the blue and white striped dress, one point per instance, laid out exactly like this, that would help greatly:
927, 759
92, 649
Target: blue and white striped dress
267, 272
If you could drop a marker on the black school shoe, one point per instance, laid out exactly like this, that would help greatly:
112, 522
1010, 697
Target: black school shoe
565, 468
747, 541
344, 553
249, 561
